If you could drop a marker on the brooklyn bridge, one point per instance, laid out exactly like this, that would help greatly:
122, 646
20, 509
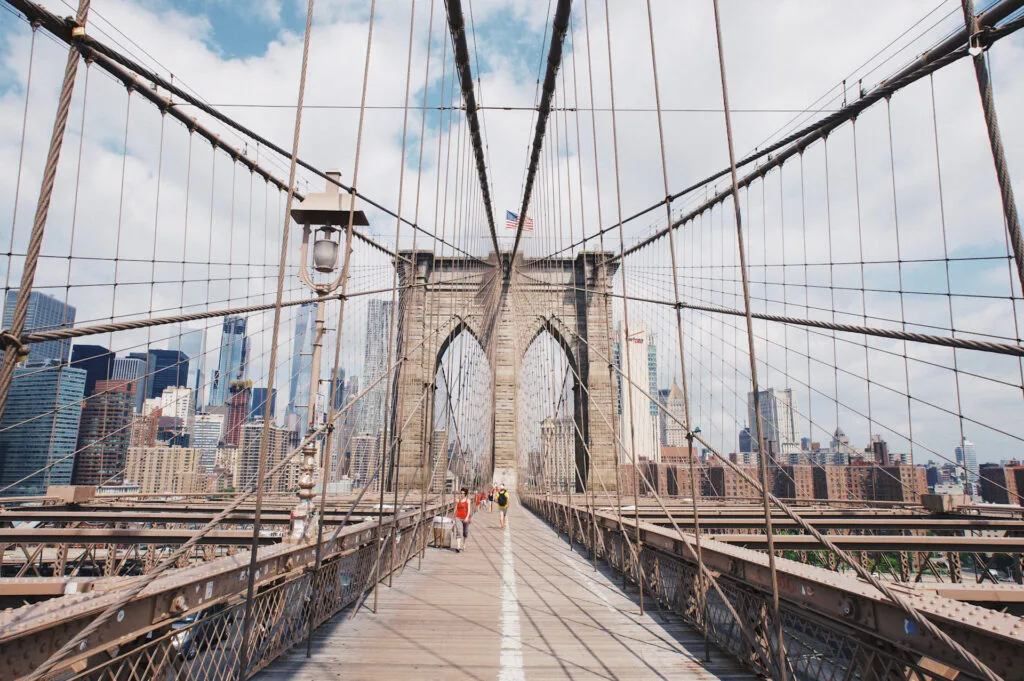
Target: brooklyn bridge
496, 340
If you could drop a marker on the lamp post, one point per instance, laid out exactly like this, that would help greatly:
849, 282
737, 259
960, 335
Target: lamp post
702, 587
324, 216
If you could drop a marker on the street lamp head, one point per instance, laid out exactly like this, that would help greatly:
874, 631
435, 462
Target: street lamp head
327, 213
696, 430
325, 251
328, 208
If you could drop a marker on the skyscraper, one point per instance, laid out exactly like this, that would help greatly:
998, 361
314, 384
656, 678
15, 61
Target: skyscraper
207, 432
259, 404
280, 443
777, 422
165, 369
233, 359
40, 426
104, 434
45, 313
97, 361
144, 377
638, 426
238, 409
302, 366
193, 344
364, 458
179, 403
748, 445
652, 376
375, 365
675, 434
338, 388
968, 458
131, 369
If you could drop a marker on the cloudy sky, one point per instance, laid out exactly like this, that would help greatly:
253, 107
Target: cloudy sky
142, 204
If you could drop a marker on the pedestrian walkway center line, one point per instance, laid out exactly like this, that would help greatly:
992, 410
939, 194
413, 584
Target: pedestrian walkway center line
511, 642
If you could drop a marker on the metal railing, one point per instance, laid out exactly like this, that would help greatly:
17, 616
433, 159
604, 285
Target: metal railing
857, 643
192, 629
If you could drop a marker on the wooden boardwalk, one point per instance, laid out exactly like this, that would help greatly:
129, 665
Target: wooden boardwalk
513, 606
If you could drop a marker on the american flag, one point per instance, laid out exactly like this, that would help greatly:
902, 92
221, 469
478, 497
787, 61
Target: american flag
512, 221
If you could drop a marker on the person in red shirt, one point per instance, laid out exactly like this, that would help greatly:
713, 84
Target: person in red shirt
463, 516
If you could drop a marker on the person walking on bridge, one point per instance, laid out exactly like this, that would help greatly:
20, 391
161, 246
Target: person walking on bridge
504, 500
463, 514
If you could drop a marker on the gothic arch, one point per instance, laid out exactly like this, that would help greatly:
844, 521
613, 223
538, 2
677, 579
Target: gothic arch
462, 326
566, 295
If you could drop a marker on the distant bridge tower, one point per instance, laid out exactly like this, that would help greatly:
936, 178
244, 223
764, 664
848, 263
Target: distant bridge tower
566, 297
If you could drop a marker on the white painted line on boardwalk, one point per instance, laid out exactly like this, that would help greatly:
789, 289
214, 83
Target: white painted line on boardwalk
511, 643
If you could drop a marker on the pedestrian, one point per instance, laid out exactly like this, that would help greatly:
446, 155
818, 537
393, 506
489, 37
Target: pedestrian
463, 517
504, 500
490, 501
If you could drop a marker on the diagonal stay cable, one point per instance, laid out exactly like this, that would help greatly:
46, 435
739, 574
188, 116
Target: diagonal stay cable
457, 26
559, 27
949, 50
104, 55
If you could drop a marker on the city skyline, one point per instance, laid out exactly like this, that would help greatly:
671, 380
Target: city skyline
160, 376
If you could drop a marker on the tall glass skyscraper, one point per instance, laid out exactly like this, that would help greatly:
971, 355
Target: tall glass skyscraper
375, 364
302, 367
777, 420
97, 361
193, 344
40, 426
132, 369
45, 313
165, 369
259, 404
207, 433
231, 365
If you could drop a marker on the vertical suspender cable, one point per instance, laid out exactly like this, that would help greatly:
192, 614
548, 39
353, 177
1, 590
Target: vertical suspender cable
396, 313
261, 466
769, 532
625, 317
694, 491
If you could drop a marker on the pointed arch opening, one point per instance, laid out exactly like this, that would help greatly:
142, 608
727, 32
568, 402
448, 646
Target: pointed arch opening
462, 418
551, 429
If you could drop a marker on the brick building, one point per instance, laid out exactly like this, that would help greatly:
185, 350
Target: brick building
104, 434
1001, 484
793, 482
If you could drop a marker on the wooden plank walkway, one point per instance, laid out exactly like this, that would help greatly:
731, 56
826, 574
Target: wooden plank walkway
512, 606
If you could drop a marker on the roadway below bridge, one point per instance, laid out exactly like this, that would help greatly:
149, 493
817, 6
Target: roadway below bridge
514, 605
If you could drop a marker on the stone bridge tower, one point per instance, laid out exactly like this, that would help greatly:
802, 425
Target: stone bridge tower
442, 297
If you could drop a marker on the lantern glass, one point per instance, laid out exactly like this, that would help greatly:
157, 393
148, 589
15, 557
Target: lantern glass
325, 253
